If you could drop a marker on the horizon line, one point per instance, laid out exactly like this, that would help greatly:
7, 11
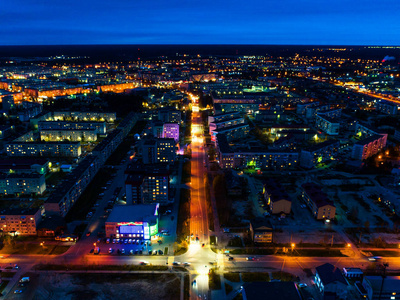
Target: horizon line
204, 44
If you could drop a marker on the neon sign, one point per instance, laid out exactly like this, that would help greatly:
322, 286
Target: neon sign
130, 223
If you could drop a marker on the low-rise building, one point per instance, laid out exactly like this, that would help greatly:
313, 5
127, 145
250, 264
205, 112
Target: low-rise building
138, 222
261, 231
353, 273
270, 290
329, 279
318, 202
276, 197
382, 288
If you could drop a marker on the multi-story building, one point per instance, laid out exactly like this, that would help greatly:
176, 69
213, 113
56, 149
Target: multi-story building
301, 107
225, 123
267, 159
327, 124
387, 107
368, 146
233, 132
6, 131
73, 185
20, 221
158, 150
280, 130
30, 110
73, 116
24, 165
116, 87
169, 115
171, 130
44, 149
364, 131
108, 145
320, 205
223, 117
243, 104
276, 197
318, 153
147, 183
74, 135
157, 128
24, 183
312, 110
99, 127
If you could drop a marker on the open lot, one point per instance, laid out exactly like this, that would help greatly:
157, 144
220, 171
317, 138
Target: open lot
107, 286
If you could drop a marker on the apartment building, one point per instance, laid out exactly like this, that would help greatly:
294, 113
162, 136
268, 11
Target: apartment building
20, 221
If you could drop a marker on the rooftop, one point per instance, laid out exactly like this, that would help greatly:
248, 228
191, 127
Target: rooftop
133, 213
329, 273
391, 283
271, 290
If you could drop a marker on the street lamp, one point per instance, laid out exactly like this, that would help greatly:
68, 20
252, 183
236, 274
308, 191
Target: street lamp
293, 245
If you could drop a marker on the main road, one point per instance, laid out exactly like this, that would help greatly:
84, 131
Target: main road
199, 252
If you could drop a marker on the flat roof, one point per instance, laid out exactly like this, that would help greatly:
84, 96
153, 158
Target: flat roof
271, 290
133, 213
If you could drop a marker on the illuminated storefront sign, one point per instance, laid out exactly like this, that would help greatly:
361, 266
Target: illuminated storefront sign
146, 231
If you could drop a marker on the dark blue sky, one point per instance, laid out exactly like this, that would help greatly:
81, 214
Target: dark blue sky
317, 22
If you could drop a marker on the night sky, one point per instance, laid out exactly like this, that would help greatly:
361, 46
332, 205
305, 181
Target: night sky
301, 22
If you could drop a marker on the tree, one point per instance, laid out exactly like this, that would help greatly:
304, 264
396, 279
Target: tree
366, 225
354, 213
211, 153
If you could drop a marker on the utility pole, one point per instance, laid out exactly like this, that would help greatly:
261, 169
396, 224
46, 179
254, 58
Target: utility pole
386, 265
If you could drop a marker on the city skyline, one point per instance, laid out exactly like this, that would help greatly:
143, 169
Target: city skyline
184, 22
